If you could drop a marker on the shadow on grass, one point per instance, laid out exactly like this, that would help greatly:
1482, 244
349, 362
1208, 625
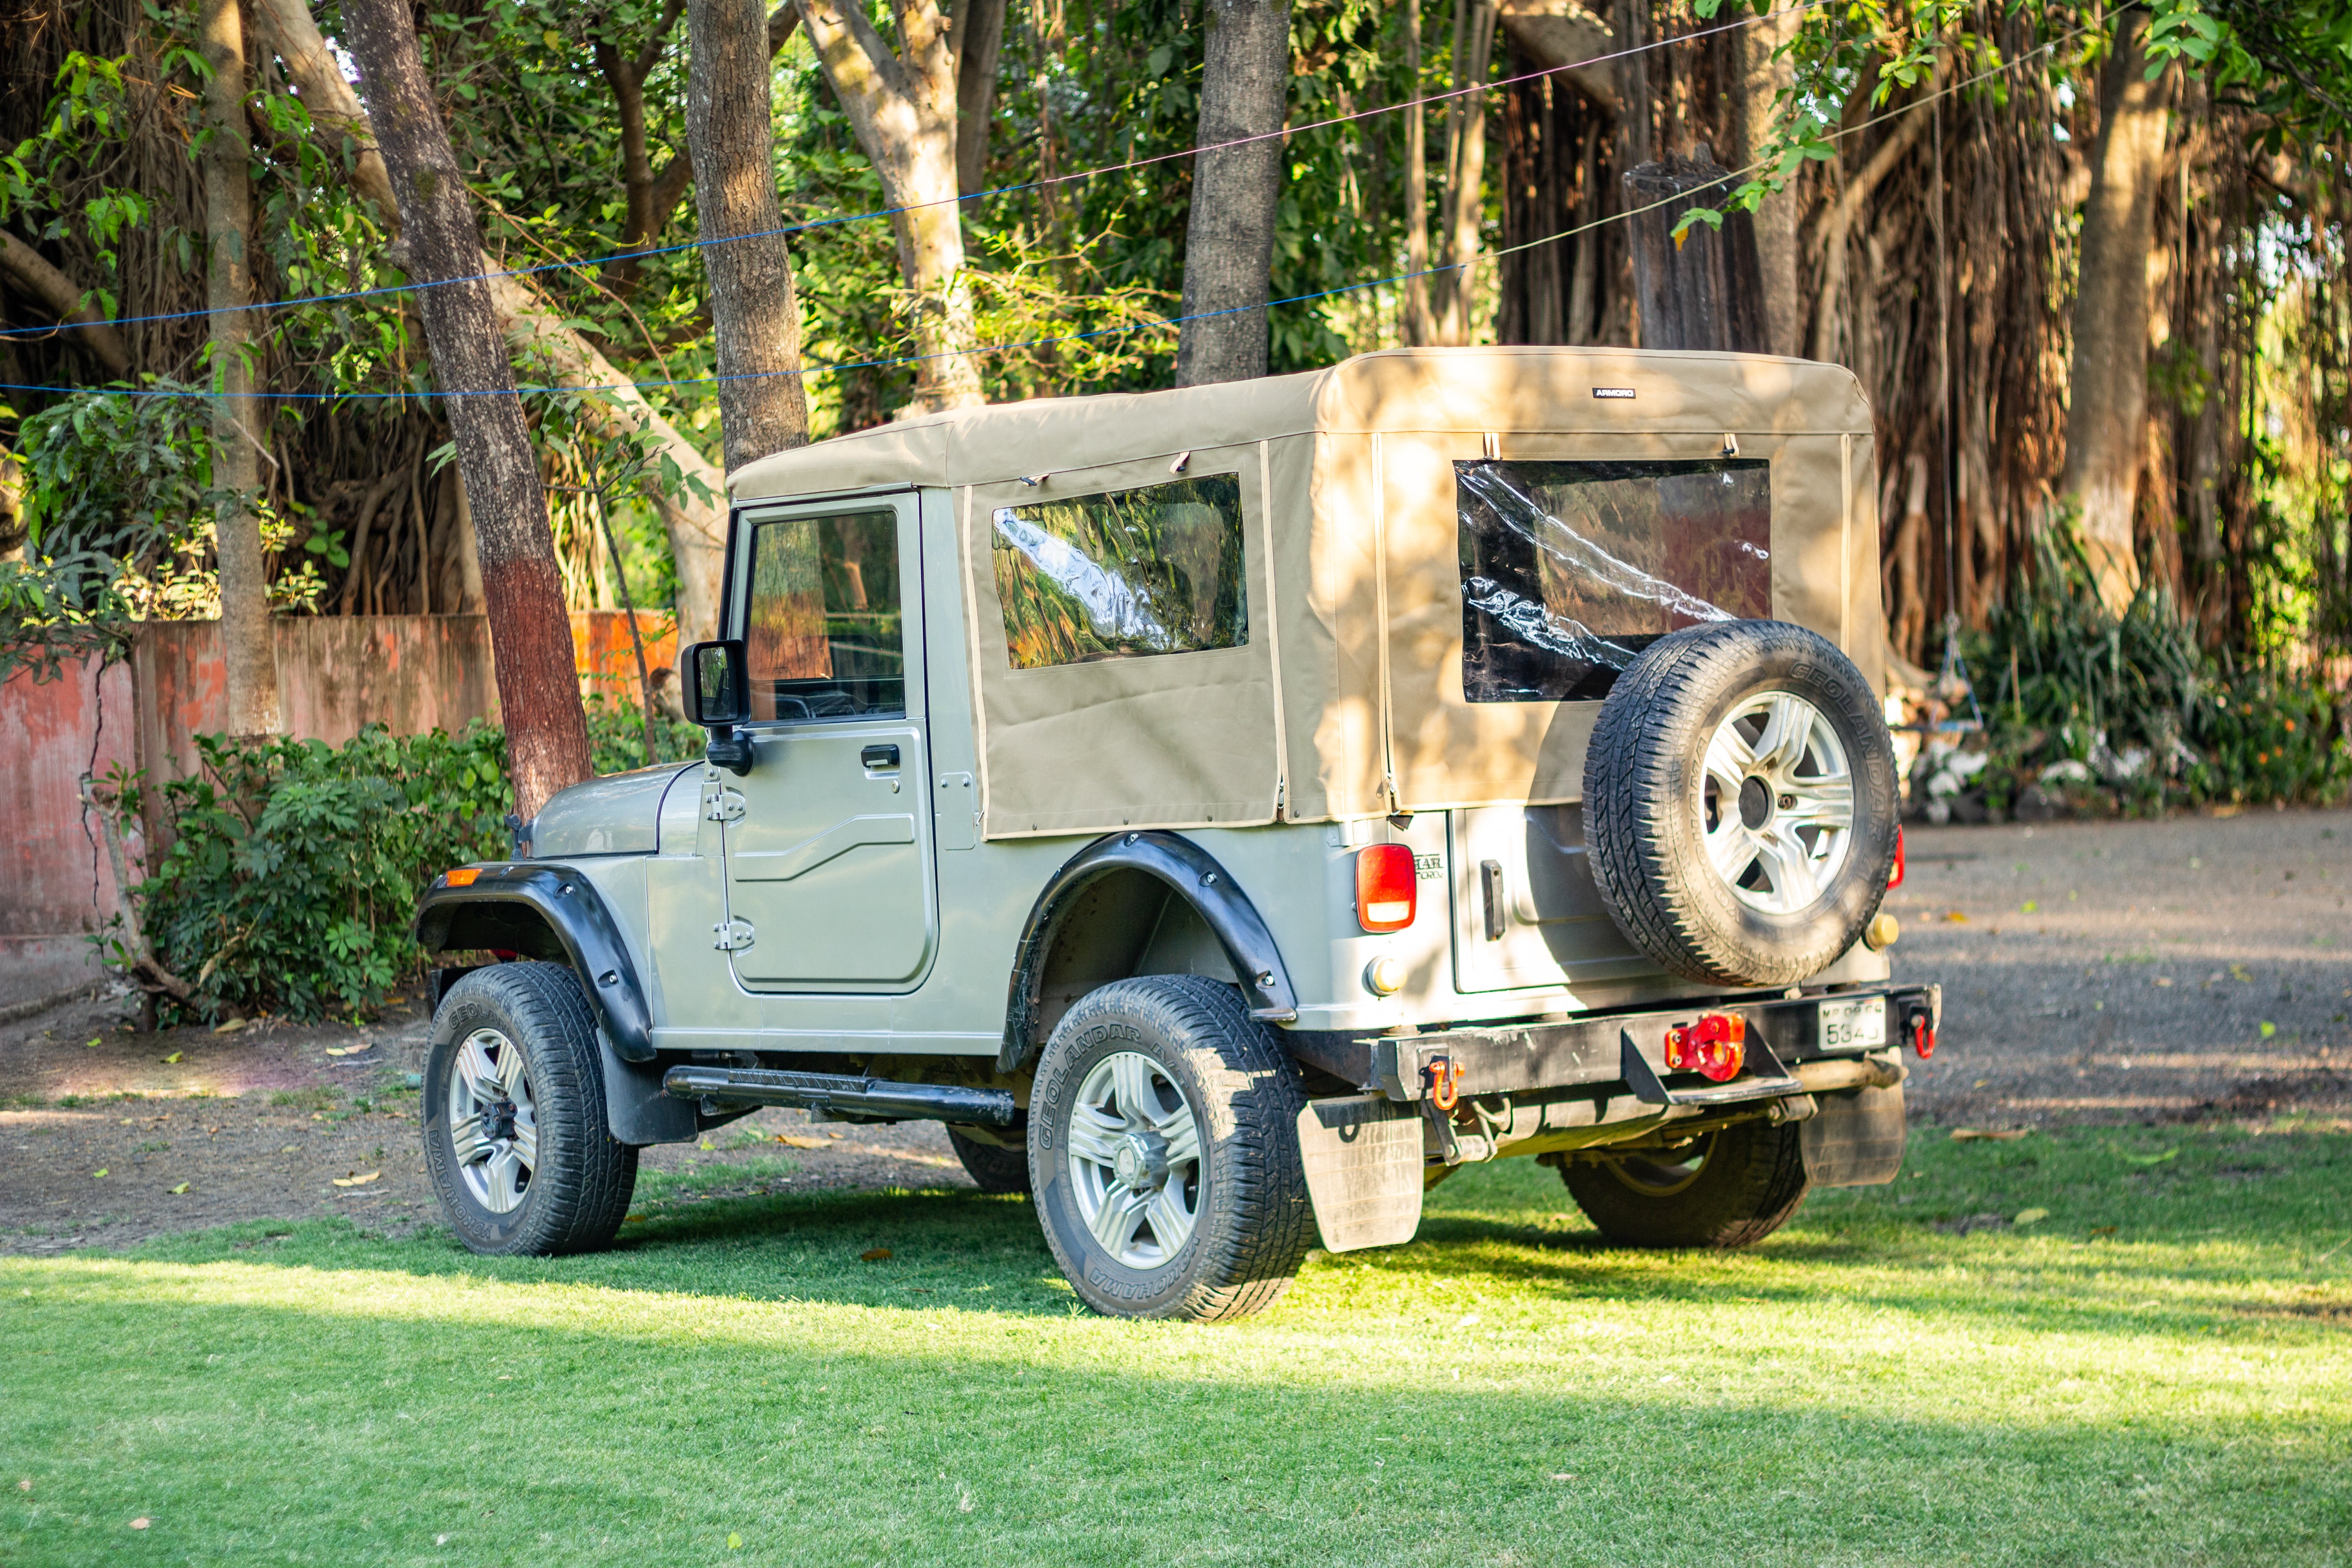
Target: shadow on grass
2204, 1245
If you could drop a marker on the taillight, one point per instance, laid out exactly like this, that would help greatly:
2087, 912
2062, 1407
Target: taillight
1384, 887
1895, 880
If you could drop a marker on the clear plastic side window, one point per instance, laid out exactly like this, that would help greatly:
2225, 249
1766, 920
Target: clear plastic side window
1569, 569
1124, 575
824, 638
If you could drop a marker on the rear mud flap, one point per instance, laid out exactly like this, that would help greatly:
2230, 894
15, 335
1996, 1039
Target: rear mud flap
1855, 1139
1364, 1162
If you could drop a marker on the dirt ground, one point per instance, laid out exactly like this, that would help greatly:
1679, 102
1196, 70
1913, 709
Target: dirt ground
2196, 967
2200, 967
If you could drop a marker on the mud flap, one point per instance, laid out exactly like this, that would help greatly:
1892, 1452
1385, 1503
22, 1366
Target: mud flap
1363, 1164
1856, 1140
636, 1110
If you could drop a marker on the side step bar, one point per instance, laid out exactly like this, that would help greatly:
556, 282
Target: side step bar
833, 1092
1769, 1081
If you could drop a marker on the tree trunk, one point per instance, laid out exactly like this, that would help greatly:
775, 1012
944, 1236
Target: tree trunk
539, 692
753, 310
979, 40
1420, 319
1701, 293
696, 526
1465, 170
903, 108
91, 333
1761, 80
248, 649
1229, 230
2107, 382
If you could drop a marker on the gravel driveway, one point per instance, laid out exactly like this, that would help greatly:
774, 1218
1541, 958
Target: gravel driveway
2129, 971
2098, 972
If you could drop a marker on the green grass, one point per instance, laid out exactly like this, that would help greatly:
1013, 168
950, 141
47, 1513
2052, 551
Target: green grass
1863, 1388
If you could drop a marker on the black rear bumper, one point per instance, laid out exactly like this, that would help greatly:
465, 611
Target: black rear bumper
1588, 1052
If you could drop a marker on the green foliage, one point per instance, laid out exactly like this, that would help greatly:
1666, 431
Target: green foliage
294, 865
2064, 679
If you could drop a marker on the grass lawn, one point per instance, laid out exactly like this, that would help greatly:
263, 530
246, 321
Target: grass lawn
2158, 1371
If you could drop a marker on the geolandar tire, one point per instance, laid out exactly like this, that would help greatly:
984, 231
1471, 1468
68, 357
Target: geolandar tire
514, 1135
1163, 1150
993, 1168
1731, 1188
1739, 803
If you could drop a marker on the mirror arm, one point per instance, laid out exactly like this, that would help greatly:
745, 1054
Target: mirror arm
728, 750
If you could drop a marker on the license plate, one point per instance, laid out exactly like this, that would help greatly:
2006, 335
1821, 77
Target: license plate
1854, 1025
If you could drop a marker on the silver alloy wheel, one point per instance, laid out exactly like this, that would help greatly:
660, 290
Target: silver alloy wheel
1135, 1161
1778, 793
493, 1122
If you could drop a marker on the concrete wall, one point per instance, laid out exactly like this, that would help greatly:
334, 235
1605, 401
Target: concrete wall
336, 674
55, 885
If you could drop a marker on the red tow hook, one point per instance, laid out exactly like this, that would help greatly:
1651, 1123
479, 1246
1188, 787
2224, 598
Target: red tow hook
1714, 1048
1921, 1025
1442, 1076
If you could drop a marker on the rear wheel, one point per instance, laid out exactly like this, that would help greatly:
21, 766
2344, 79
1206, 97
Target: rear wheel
1163, 1150
1729, 1188
992, 1167
514, 1135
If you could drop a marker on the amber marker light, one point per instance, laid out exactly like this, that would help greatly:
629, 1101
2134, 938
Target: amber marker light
463, 877
1384, 887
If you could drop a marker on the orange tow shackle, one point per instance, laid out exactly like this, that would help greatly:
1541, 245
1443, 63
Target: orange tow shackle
1442, 1077
1714, 1048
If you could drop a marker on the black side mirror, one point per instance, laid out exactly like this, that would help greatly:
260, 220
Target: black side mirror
716, 689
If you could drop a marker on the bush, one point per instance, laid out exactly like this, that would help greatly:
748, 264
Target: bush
295, 865
2138, 703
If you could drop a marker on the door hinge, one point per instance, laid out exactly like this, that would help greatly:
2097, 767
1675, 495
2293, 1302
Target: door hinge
727, 806
734, 936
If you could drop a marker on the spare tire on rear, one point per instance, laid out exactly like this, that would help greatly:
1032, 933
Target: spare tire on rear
1739, 803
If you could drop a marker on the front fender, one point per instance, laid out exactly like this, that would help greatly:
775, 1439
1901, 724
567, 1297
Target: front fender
1196, 877
550, 912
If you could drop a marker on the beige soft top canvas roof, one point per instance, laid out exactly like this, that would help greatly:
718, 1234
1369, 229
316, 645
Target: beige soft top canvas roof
1348, 698
1397, 390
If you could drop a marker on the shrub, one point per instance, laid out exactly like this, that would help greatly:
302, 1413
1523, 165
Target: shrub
294, 865
2064, 679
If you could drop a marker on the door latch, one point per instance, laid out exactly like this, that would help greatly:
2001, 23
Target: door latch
727, 806
734, 936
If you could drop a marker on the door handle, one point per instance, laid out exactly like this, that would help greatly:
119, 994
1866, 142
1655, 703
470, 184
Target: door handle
879, 756
1490, 887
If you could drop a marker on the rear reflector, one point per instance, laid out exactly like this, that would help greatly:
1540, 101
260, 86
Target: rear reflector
1895, 880
462, 878
1384, 887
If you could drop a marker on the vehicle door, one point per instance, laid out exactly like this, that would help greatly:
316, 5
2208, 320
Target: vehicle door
828, 839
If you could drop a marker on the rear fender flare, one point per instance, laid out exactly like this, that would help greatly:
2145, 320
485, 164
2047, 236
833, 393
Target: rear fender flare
1194, 876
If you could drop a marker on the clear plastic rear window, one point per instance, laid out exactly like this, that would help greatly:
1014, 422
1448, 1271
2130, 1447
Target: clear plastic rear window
1124, 575
1569, 569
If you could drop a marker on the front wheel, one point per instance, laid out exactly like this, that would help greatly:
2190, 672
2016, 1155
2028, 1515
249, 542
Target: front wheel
1732, 1187
1163, 1150
515, 1136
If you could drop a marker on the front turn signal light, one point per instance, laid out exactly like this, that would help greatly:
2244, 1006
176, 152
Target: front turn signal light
463, 877
1384, 887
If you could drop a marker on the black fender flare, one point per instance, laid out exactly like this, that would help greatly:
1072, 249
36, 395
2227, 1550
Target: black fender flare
491, 907
1194, 876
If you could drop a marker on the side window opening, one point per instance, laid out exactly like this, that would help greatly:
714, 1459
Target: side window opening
1570, 569
1123, 574
824, 637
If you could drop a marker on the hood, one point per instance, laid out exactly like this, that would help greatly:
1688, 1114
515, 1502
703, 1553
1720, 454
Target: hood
616, 815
